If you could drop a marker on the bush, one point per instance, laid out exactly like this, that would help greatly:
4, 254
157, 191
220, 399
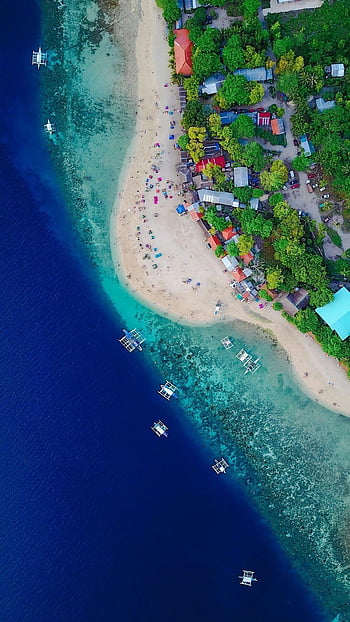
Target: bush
277, 306
335, 237
264, 294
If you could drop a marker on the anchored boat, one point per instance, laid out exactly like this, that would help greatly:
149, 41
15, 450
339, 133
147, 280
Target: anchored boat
39, 58
159, 428
220, 466
132, 340
167, 390
50, 127
247, 577
251, 365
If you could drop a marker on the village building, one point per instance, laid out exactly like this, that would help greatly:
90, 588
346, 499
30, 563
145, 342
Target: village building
337, 70
222, 198
230, 116
218, 161
230, 263
257, 74
183, 52
212, 84
213, 242
337, 313
295, 301
306, 145
277, 126
228, 234
323, 105
240, 176
238, 274
254, 204
263, 119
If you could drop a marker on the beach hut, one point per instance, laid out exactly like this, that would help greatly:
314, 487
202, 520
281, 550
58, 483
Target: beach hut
228, 233
277, 126
230, 263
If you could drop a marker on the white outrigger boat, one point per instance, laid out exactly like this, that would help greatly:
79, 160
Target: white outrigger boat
220, 466
39, 58
132, 340
50, 127
159, 428
167, 390
251, 365
247, 578
227, 343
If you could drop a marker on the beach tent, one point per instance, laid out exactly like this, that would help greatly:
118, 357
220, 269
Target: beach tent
181, 209
171, 136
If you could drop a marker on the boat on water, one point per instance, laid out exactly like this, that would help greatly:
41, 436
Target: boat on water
247, 577
132, 340
167, 390
50, 127
220, 466
39, 58
159, 428
249, 363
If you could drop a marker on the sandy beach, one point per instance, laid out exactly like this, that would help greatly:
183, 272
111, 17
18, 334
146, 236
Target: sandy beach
146, 230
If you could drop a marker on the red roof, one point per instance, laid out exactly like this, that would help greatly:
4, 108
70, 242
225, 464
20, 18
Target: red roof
228, 233
238, 274
219, 161
196, 215
247, 258
214, 241
277, 126
183, 52
264, 118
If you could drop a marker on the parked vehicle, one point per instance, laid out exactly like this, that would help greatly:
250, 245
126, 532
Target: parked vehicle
311, 175
260, 109
322, 189
326, 219
295, 142
315, 186
325, 196
321, 205
308, 181
302, 213
291, 174
309, 188
293, 186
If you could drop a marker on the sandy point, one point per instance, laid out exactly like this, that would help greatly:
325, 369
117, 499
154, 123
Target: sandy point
163, 257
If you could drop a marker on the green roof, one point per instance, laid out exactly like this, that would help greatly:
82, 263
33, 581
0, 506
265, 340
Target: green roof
337, 313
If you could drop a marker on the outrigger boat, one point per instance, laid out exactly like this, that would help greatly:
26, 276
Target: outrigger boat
251, 365
220, 466
247, 578
39, 58
167, 390
132, 340
159, 428
50, 128
227, 343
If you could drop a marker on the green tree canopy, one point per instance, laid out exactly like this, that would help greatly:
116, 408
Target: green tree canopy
254, 156
245, 243
233, 55
234, 90
243, 127
194, 115
301, 163
205, 63
232, 249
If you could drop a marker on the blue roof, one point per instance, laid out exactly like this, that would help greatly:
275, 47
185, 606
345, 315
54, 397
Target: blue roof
180, 209
337, 313
307, 145
228, 117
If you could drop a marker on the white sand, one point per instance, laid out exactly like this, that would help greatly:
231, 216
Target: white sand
180, 240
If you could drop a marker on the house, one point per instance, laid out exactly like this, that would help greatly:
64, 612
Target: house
230, 116
212, 149
258, 74
337, 70
247, 258
212, 84
191, 5
263, 119
307, 145
337, 313
277, 126
254, 204
219, 161
292, 303
238, 274
322, 105
240, 176
214, 242
183, 52
230, 263
228, 233
222, 198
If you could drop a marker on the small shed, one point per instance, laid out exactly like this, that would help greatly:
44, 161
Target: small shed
240, 176
337, 70
277, 126
230, 263
214, 242
323, 105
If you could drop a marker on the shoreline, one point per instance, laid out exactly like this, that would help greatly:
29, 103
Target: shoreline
144, 233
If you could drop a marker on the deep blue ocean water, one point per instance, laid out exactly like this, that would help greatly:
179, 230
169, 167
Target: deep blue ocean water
100, 520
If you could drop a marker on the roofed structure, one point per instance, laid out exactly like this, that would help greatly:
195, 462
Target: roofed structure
222, 198
218, 161
183, 52
214, 242
212, 84
229, 262
258, 74
306, 145
263, 119
240, 176
277, 126
238, 274
228, 233
337, 70
322, 105
337, 313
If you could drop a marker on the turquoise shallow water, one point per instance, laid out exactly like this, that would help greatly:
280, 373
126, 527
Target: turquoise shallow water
289, 454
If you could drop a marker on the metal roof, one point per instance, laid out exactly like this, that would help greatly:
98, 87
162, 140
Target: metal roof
222, 198
337, 70
322, 105
240, 176
337, 313
258, 74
